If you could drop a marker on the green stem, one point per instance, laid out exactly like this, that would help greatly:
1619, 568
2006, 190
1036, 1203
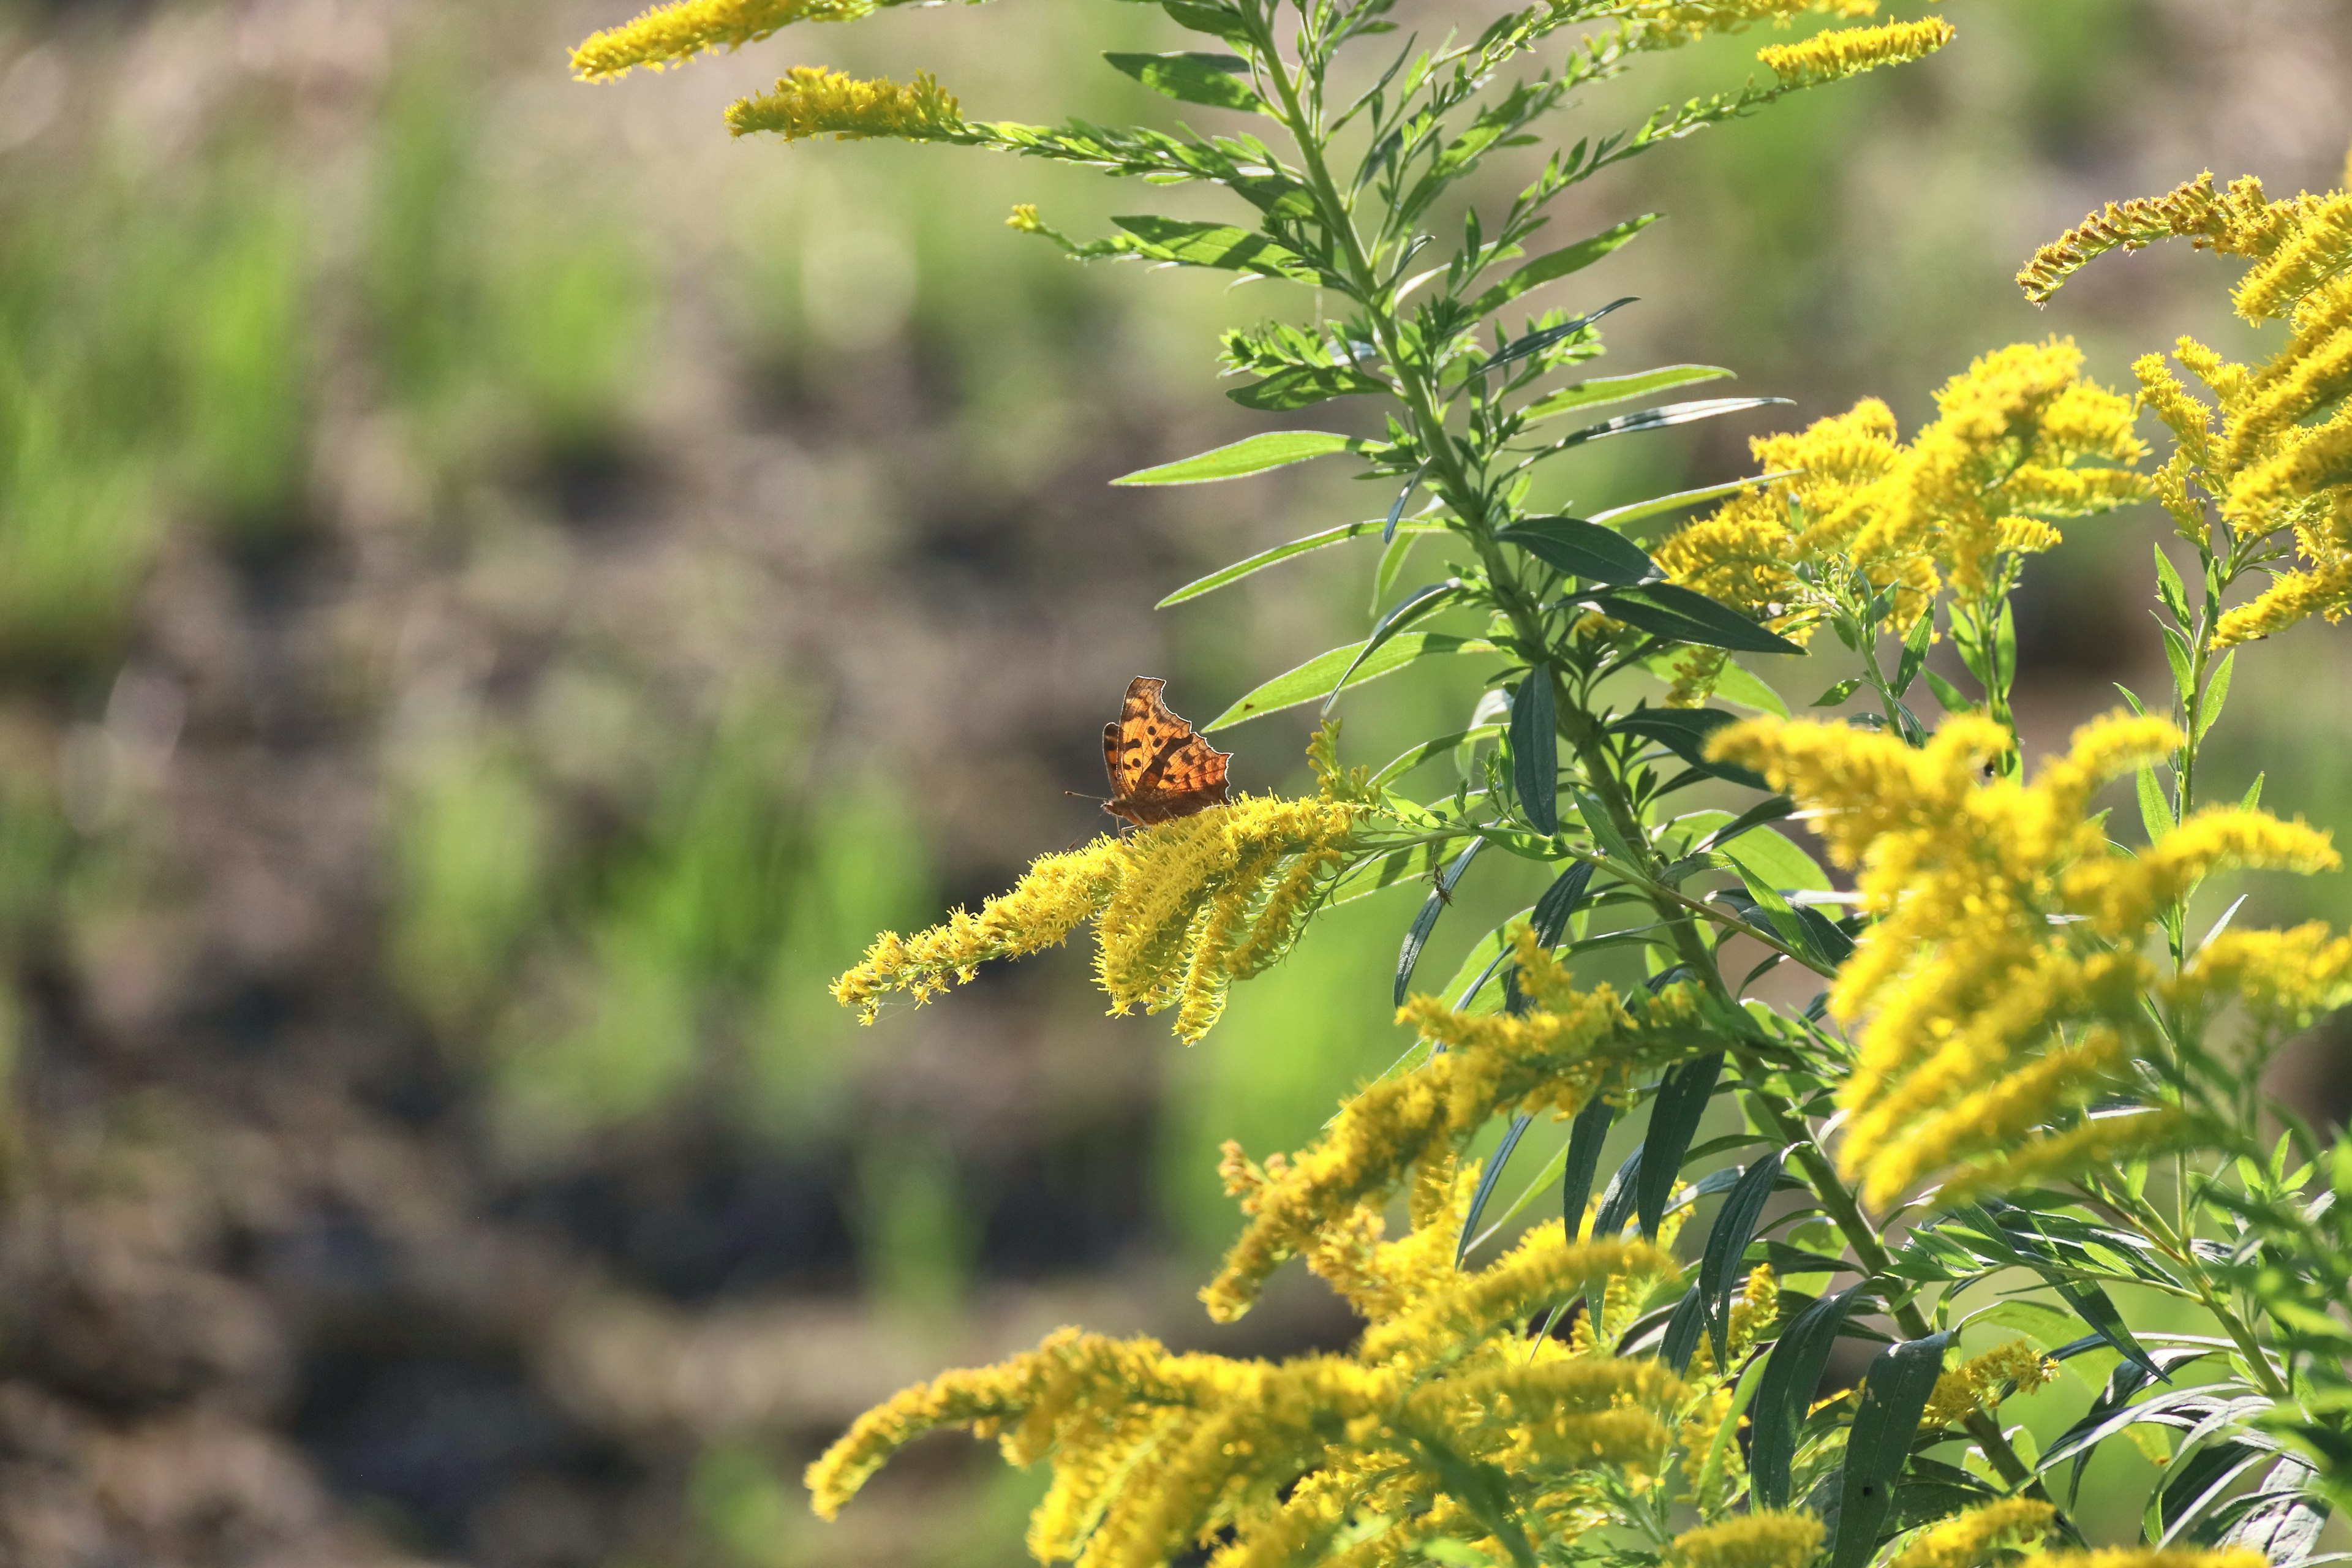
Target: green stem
1467, 499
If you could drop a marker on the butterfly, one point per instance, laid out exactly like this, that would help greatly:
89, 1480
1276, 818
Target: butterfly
1159, 767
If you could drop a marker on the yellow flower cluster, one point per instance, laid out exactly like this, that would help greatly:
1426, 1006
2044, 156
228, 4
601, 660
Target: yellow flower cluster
2153, 1557
2285, 978
1154, 1453
673, 34
1668, 24
2273, 448
1180, 910
810, 100
2240, 221
1555, 1055
1970, 1386
1766, 1539
1967, 1540
2001, 986
2007, 449
1848, 51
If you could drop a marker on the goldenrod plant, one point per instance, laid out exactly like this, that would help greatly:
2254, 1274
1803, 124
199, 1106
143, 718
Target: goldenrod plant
2014, 1140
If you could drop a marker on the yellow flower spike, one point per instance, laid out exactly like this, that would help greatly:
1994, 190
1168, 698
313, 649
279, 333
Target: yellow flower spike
1848, 51
2096, 1141
2120, 895
810, 100
1544, 1267
2190, 421
673, 34
2000, 987
2152, 1557
1768, 1537
1964, 1389
2240, 221
2283, 977
1180, 910
1969, 1540
2319, 247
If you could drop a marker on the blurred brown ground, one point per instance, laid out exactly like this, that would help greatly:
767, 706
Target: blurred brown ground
422, 852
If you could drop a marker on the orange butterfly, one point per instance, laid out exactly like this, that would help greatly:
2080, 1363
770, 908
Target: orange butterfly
1159, 767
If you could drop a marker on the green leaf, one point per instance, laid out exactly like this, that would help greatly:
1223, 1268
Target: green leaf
1394, 556
1657, 506
1894, 1393
1684, 732
1226, 575
2168, 588
1954, 700
1253, 454
1735, 684
1486, 1180
1202, 17
1535, 751
2253, 797
1672, 414
1839, 693
1220, 81
1303, 385
1727, 1243
1914, 652
1682, 1099
1605, 390
2217, 692
1217, 245
1581, 549
1791, 1375
2155, 811
1559, 264
1670, 610
1416, 936
1585, 1137
1429, 750
2177, 654
1311, 681
1419, 605
1767, 855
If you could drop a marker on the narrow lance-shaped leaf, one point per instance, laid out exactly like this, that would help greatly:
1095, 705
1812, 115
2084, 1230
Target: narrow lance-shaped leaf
1602, 390
1583, 549
1791, 1375
1672, 414
1726, 1243
1304, 385
1417, 936
1314, 680
1680, 615
1617, 1198
1535, 751
1894, 1393
1559, 264
1220, 245
1422, 602
1683, 1330
1220, 81
1586, 1137
1486, 1180
1686, 731
1562, 900
1255, 455
1535, 343
1682, 1101
1225, 575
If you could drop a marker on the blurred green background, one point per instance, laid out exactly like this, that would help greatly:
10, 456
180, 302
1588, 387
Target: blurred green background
502, 591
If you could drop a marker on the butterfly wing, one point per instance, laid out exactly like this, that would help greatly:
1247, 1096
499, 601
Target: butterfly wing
1132, 743
1188, 775
1158, 768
